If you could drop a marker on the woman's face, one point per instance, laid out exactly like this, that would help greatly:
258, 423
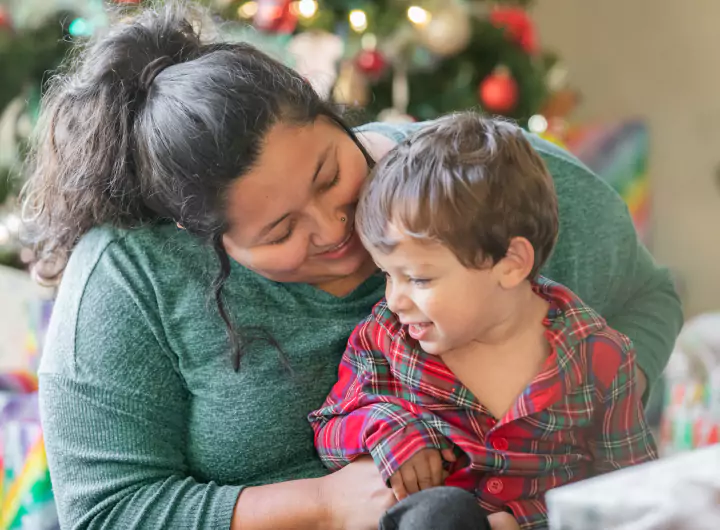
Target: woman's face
292, 216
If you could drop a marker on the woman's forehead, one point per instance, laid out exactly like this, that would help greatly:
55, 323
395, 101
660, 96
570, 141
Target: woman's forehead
281, 178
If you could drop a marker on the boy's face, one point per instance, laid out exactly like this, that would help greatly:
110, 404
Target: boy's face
444, 304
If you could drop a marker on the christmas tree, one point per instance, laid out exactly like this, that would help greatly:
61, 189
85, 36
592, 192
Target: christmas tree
413, 59
392, 60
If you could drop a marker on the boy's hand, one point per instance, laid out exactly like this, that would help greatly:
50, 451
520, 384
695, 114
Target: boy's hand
502, 521
422, 471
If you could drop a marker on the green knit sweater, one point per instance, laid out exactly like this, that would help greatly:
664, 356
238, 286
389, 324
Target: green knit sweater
148, 426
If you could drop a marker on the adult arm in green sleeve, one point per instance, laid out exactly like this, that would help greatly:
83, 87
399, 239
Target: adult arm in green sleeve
644, 304
114, 410
600, 257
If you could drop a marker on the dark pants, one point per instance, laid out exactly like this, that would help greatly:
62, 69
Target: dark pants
441, 508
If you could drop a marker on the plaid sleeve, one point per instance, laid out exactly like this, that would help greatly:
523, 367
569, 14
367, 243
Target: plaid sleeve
365, 413
531, 514
622, 437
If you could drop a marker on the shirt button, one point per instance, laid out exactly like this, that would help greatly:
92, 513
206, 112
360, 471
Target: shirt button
501, 444
494, 486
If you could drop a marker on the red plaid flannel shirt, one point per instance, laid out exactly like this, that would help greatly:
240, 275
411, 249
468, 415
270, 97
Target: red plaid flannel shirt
581, 416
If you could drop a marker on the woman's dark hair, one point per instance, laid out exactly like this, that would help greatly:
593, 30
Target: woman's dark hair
149, 123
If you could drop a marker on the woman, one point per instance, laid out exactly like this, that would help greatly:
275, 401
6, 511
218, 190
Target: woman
207, 194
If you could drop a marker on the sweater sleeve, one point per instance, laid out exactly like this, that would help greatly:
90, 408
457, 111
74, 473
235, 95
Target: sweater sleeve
114, 409
599, 257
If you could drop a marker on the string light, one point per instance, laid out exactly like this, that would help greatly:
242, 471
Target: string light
538, 124
358, 20
248, 10
79, 28
369, 41
4, 234
13, 223
418, 15
306, 8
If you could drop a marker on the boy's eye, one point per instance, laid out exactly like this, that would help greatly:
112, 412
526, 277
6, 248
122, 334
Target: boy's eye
420, 282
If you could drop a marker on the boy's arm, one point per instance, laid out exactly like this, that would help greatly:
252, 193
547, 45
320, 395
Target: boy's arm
364, 413
621, 434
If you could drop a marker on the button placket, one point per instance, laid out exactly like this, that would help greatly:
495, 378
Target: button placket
500, 444
494, 486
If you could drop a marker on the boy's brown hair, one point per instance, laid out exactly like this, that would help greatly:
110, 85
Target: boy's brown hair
469, 182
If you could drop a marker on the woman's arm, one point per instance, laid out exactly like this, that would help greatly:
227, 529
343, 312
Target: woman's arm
353, 498
599, 256
115, 410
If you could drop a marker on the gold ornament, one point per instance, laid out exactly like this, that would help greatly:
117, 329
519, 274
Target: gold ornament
448, 31
351, 87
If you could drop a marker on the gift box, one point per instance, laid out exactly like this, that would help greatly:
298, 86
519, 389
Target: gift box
678, 493
26, 500
24, 317
691, 413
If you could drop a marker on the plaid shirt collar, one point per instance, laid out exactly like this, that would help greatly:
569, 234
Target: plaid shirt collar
568, 323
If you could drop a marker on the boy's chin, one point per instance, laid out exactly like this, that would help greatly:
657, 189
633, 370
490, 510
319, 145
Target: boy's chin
433, 348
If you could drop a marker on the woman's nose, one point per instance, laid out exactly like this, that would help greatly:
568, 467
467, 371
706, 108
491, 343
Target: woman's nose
330, 227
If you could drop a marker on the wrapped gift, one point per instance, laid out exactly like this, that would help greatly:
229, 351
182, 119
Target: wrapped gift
691, 413
24, 318
26, 500
676, 493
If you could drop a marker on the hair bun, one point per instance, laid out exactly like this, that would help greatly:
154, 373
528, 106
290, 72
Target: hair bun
152, 69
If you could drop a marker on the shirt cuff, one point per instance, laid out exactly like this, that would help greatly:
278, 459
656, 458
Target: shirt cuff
392, 452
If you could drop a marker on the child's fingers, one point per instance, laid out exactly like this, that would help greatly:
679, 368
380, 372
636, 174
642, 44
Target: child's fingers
423, 470
448, 455
436, 468
409, 478
398, 487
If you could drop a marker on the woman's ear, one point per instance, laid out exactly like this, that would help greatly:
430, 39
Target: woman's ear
181, 227
519, 260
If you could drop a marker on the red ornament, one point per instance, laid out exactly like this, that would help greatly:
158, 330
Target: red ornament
276, 16
499, 92
5, 19
517, 25
371, 63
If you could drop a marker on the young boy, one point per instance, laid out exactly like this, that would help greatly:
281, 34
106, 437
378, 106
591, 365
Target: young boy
475, 367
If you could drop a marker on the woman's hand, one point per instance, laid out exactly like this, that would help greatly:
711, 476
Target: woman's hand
503, 521
355, 498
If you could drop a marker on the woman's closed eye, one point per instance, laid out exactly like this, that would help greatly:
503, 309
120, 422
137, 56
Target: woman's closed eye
284, 237
332, 183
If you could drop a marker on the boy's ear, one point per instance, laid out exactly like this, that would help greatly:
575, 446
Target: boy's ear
519, 260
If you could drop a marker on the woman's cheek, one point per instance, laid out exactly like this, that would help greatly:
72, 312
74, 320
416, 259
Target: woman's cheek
282, 258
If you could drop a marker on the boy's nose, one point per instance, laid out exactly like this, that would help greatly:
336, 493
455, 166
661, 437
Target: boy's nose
396, 300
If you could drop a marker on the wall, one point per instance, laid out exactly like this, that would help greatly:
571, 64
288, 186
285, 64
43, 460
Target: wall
658, 59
